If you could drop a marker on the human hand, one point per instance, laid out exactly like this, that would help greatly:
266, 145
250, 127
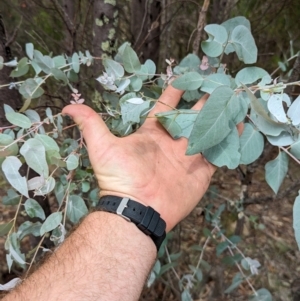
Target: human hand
147, 166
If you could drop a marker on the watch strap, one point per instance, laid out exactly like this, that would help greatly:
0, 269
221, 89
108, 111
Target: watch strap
145, 218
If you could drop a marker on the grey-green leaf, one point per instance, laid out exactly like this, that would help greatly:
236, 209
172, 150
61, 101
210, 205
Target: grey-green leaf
10, 168
151, 68
113, 67
29, 50
131, 112
178, 123
295, 149
212, 123
34, 209
21, 69
34, 153
294, 111
296, 219
29, 228
5, 228
251, 144
52, 221
226, 152
250, 75
244, 44
216, 42
130, 60
276, 171
75, 62
72, 162
18, 119
275, 107
48, 142
5, 150
262, 295
12, 198
188, 81
211, 82
76, 208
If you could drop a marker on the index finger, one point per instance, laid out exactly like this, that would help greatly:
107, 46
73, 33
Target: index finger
167, 101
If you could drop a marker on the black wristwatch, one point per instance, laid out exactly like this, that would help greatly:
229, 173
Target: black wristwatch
145, 218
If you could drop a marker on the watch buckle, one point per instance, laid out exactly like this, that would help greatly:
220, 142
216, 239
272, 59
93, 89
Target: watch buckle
121, 207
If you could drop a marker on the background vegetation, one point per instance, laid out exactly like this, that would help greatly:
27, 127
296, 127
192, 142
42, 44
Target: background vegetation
161, 30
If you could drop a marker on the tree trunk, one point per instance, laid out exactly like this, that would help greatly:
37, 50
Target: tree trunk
221, 10
7, 96
104, 31
145, 28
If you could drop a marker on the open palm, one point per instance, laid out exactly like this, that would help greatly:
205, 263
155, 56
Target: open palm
147, 166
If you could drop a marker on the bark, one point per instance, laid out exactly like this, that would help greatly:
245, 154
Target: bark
104, 31
145, 28
7, 96
295, 75
200, 26
70, 36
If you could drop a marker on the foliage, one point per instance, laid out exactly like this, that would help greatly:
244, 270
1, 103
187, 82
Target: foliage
131, 91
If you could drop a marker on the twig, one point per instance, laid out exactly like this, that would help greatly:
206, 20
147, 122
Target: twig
200, 26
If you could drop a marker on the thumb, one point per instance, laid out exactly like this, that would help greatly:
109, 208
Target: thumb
93, 128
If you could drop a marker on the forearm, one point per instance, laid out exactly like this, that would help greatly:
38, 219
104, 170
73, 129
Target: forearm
106, 258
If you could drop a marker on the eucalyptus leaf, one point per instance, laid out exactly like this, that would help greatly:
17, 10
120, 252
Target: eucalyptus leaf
52, 221
283, 139
21, 69
217, 39
5, 228
244, 44
226, 152
188, 81
211, 82
72, 162
48, 142
132, 112
28, 228
18, 119
75, 62
151, 67
296, 219
251, 144
46, 188
295, 149
7, 146
59, 75
34, 209
262, 295
276, 171
294, 111
29, 50
59, 61
34, 153
130, 60
250, 75
136, 84
10, 168
275, 107
178, 123
212, 123
12, 198
236, 281
230, 25
76, 208
31, 89
113, 67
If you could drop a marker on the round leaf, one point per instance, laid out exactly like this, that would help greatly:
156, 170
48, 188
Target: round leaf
188, 81
251, 144
19, 120
34, 209
52, 221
